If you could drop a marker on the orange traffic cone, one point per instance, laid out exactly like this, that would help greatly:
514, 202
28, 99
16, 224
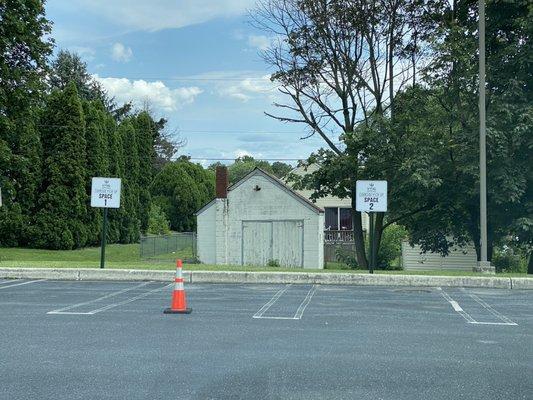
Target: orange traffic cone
179, 302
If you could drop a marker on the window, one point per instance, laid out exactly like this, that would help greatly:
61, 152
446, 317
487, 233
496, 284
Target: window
345, 219
338, 219
332, 218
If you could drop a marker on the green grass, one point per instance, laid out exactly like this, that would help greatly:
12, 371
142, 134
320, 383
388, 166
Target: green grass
128, 257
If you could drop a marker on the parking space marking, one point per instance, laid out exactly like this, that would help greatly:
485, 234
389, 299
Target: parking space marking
299, 312
305, 303
497, 314
62, 310
262, 310
457, 308
140, 296
23, 283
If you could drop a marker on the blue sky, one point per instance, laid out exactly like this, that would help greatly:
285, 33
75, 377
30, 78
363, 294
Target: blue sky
195, 62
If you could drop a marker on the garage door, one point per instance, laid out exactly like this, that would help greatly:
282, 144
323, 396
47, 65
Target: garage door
256, 242
263, 241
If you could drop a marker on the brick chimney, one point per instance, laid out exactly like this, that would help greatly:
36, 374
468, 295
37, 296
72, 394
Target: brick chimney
222, 182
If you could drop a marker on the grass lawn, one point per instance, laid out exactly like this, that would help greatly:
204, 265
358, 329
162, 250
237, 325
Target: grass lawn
128, 256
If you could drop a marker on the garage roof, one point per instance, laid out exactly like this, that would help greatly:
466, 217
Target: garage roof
274, 180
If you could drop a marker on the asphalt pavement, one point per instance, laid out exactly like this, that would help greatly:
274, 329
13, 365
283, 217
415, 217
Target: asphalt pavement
110, 340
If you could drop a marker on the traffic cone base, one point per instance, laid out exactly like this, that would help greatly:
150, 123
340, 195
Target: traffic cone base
171, 311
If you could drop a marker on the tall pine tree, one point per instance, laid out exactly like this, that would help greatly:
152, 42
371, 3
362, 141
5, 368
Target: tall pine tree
116, 170
97, 160
130, 227
62, 207
145, 128
24, 49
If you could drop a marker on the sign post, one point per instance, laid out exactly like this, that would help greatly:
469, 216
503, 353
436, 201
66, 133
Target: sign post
371, 197
105, 193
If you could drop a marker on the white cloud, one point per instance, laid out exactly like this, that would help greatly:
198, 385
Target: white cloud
261, 42
239, 85
86, 53
155, 15
242, 153
157, 94
121, 53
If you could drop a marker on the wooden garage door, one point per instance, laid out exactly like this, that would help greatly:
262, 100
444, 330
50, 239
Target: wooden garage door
256, 242
263, 241
287, 244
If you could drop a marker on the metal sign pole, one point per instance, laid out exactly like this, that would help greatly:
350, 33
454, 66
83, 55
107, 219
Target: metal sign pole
371, 244
104, 234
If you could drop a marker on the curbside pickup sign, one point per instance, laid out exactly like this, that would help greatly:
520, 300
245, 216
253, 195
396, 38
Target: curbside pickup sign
371, 196
105, 192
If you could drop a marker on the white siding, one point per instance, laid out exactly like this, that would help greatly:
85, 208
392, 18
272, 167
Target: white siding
272, 203
296, 228
221, 231
206, 242
461, 259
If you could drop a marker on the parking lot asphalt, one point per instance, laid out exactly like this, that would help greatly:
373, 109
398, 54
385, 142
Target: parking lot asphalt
111, 340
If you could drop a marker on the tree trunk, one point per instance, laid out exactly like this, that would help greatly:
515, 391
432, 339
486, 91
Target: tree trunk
358, 236
530, 264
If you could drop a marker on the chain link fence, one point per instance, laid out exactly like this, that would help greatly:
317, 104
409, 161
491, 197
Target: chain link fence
176, 245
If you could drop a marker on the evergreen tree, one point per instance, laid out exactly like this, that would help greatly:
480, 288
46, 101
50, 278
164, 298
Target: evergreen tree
116, 170
145, 128
62, 207
69, 67
23, 55
180, 189
130, 226
97, 160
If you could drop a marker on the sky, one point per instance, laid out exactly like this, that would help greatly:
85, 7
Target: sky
196, 63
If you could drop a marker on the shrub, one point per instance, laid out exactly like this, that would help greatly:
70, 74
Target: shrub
347, 257
391, 247
505, 260
273, 263
157, 221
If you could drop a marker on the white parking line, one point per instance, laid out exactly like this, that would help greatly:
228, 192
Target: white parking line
23, 283
305, 303
269, 304
457, 308
62, 310
129, 300
299, 311
497, 314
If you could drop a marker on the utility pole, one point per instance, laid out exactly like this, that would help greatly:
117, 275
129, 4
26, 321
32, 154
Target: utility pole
484, 264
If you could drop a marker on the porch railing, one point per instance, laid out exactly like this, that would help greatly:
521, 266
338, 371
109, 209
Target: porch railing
338, 236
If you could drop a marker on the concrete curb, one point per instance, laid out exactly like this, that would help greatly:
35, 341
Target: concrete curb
522, 283
92, 274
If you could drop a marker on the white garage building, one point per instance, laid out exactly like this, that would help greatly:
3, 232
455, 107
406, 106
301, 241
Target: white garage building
259, 220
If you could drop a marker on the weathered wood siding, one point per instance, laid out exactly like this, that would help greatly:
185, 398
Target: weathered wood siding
461, 259
206, 235
274, 203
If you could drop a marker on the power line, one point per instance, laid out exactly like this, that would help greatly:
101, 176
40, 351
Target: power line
204, 131
245, 78
235, 158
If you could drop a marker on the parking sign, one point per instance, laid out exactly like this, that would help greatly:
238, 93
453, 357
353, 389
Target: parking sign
371, 196
105, 192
